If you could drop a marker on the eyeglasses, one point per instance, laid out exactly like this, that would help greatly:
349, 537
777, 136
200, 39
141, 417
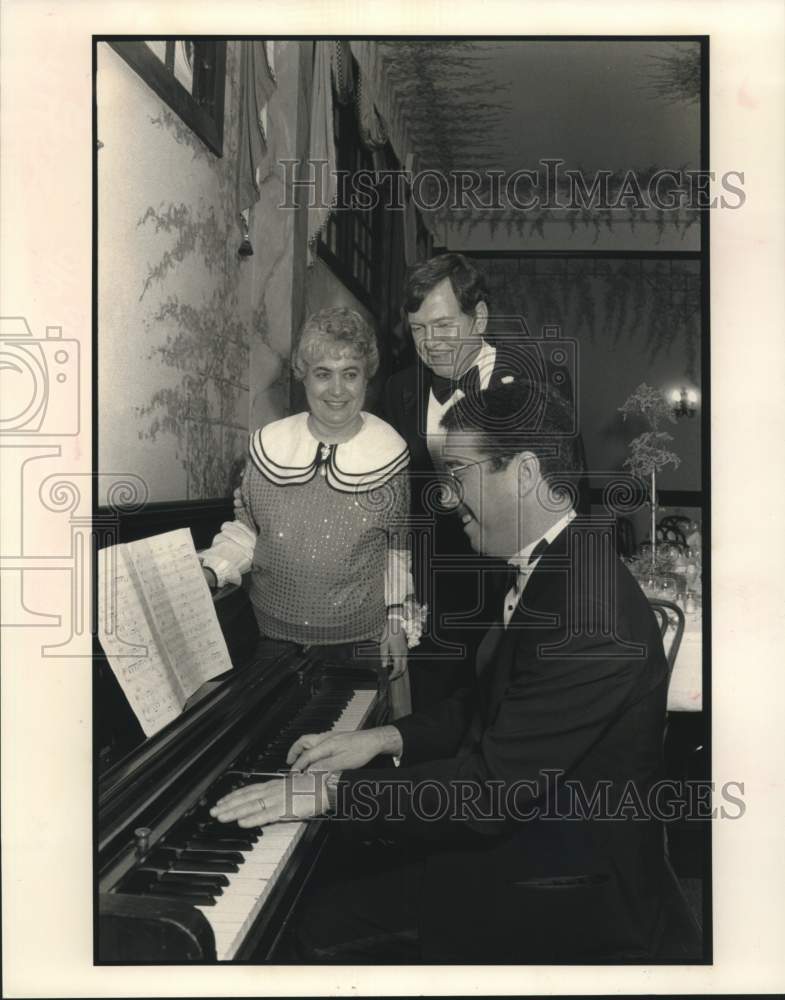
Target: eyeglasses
456, 485
452, 494
453, 470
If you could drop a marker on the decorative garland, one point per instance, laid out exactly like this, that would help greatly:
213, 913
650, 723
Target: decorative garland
440, 100
659, 299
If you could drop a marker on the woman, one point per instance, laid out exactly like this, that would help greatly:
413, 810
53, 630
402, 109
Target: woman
324, 505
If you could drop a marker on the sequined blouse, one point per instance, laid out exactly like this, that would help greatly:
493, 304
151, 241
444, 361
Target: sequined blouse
324, 517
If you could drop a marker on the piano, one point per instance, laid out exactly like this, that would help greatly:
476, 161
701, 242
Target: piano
174, 885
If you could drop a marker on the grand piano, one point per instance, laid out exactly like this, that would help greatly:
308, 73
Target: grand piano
173, 885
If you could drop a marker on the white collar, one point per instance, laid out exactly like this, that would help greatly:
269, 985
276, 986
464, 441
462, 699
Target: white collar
288, 454
521, 560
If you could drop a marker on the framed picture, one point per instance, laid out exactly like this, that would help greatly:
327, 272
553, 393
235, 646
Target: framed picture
187, 73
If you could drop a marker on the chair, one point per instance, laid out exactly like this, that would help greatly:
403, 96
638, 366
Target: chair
674, 529
683, 936
669, 617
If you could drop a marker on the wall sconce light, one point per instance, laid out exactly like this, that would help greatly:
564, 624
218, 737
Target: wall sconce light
684, 402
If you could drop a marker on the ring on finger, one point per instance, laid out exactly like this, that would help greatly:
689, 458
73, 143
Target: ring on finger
262, 803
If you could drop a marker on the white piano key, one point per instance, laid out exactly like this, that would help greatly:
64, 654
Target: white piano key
247, 878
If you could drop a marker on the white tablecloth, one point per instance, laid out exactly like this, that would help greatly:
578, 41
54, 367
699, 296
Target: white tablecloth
685, 693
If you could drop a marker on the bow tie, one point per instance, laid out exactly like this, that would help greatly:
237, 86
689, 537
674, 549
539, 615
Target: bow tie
468, 383
514, 571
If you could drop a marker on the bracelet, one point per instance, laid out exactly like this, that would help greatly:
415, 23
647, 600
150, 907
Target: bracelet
412, 619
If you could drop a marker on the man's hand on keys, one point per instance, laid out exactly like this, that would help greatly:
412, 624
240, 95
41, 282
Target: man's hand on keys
343, 751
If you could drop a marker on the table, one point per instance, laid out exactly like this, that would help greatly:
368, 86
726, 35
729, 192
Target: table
685, 693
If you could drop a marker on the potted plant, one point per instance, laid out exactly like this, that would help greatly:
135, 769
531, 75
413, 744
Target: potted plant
649, 451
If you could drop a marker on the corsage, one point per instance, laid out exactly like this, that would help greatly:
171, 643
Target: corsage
412, 617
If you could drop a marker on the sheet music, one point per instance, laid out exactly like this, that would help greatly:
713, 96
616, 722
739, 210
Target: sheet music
157, 625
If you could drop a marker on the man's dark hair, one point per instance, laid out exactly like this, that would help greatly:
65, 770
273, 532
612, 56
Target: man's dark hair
467, 282
522, 416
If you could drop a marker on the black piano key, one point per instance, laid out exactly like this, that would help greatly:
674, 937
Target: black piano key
215, 881
164, 858
211, 852
143, 880
175, 880
176, 892
210, 845
185, 865
208, 827
208, 842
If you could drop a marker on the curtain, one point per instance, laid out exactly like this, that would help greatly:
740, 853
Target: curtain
257, 85
377, 93
322, 152
382, 117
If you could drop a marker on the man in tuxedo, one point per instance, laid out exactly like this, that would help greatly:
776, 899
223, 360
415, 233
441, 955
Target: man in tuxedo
518, 825
447, 304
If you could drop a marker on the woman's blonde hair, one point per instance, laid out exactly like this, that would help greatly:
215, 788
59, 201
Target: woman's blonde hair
332, 332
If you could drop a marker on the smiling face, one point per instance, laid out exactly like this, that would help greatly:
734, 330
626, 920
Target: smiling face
446, 338
491, 507
335, 388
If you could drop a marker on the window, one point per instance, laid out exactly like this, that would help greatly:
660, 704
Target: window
351, 242
187, 73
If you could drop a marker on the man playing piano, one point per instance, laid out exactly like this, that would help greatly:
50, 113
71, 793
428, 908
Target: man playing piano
515, 828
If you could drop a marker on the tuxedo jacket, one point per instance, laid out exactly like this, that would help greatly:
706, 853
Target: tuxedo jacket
568, 709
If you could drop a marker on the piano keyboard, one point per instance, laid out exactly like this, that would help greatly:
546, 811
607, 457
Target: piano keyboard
241, 866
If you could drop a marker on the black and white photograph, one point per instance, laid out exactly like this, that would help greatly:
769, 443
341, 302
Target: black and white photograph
402, 410
395, 587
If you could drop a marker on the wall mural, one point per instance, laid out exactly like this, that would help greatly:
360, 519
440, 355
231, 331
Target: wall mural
658, 301
447, 102
632, 320
200, 313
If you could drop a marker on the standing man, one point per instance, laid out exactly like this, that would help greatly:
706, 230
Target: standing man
447, 304
521, 808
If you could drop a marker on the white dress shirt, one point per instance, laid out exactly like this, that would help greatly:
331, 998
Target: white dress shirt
526, 568
484, 362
